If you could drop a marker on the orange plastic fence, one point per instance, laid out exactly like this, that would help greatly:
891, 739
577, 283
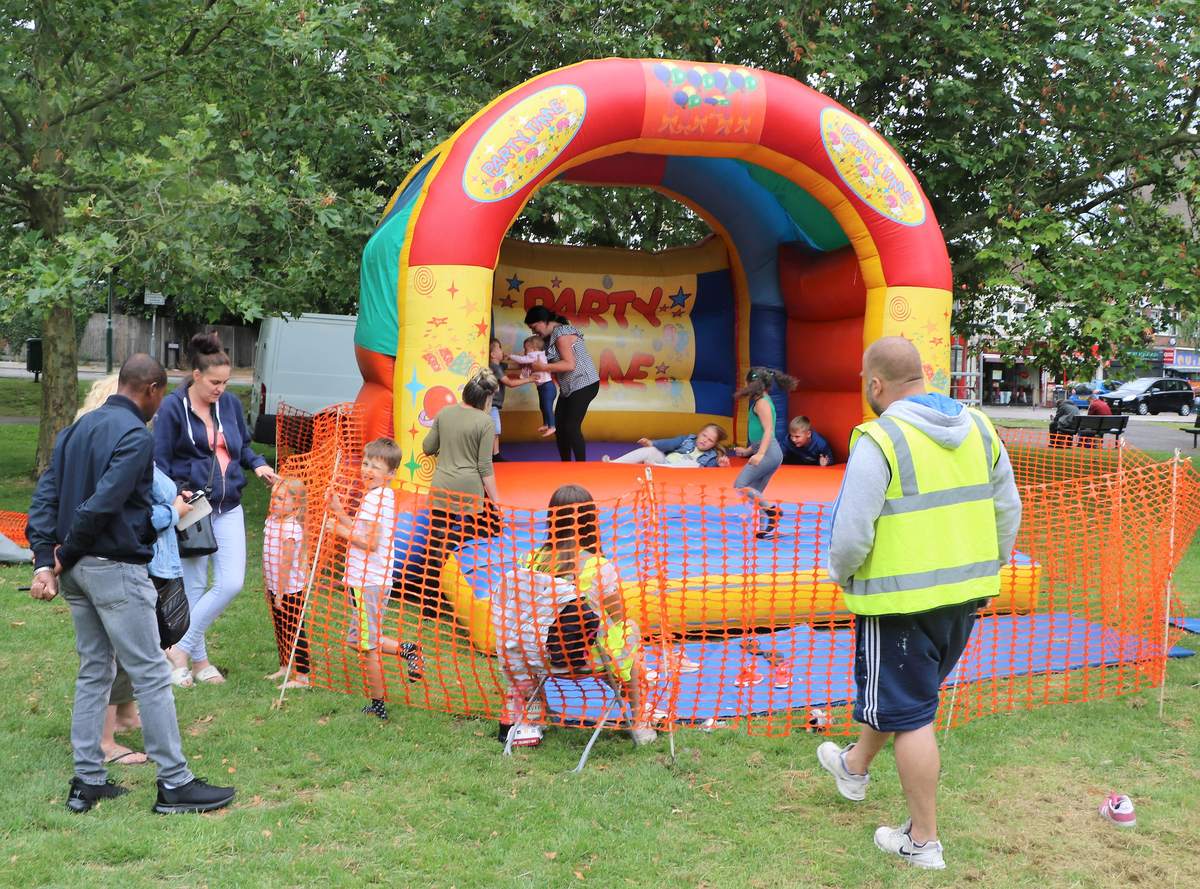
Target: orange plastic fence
12, 526
661, 606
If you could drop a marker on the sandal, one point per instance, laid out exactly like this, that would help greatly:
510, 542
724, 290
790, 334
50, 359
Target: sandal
121, 758
210, 675
181, 677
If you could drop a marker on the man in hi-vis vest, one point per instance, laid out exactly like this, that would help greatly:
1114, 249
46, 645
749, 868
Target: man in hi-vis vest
927, 515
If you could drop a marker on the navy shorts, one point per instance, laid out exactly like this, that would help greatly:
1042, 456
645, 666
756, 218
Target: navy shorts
900, 661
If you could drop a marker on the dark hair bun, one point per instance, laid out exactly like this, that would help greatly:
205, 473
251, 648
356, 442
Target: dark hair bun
206, 343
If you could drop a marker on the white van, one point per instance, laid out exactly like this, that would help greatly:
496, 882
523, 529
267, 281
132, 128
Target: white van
307, 362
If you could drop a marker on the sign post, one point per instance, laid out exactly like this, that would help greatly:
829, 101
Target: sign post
154, 299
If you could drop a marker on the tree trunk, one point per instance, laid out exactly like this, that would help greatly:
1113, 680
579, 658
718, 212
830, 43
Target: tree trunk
60, 379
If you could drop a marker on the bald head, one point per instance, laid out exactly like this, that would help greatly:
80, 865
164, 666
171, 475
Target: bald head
891, 371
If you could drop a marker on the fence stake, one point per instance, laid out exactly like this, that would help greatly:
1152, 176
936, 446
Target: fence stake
1162, 686
312, 573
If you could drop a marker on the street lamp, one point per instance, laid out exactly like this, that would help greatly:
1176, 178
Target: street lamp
108, 348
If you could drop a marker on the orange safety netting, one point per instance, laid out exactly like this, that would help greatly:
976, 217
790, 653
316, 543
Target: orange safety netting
661, 606
12, 526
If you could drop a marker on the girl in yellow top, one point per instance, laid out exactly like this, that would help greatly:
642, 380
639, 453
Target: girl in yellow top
591, 631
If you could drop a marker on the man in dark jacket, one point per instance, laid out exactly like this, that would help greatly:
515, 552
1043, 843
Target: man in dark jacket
89, 528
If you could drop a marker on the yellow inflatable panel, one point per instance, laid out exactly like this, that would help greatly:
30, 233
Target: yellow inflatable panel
716, 602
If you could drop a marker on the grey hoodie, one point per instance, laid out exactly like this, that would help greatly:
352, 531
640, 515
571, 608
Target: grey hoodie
865, 483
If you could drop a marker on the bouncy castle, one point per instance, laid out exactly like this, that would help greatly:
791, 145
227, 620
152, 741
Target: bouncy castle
823, 243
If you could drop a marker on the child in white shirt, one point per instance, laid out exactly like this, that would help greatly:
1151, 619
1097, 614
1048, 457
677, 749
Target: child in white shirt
283, 575
369, 535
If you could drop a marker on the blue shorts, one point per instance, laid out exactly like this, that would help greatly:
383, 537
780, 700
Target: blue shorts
496, 418
900, 661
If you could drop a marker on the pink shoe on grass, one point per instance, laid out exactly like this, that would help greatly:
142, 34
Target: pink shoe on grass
1118, 809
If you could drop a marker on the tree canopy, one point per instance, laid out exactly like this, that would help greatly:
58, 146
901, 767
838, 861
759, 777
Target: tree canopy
235, 153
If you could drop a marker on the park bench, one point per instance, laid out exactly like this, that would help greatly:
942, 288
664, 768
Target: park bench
1091, 428
1193, 430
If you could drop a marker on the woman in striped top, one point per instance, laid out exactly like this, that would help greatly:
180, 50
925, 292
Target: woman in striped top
578, 382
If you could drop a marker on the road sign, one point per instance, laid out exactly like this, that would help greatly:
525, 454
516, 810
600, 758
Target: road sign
155, 299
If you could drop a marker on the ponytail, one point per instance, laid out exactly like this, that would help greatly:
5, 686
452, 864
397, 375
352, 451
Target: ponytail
761, 380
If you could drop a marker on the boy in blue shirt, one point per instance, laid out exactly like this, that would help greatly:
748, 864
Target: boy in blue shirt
805, 446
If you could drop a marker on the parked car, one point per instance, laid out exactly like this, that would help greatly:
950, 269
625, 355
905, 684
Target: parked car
1082, 393
1152, 395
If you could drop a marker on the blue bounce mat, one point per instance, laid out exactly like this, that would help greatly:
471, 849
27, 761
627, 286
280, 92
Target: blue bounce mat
821, 666
1191, 624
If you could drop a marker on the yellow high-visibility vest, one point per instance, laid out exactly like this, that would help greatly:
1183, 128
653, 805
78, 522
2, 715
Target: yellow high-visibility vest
935, 539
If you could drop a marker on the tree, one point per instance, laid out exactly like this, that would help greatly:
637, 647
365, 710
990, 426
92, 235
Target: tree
201, 149
236, 153
1051, 138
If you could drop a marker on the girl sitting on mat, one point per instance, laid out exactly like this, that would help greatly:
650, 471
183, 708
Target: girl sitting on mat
576, 622
700, 449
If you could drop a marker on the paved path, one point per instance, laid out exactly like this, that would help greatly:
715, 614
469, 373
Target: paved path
16, 370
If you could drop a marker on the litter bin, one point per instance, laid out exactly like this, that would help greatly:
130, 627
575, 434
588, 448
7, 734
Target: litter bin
173, 355
33, 356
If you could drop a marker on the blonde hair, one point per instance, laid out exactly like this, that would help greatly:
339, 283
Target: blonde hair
298, 491
98, 394
800, 424
720, 433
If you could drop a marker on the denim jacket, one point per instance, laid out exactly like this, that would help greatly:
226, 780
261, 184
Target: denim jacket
685, 444
165, 561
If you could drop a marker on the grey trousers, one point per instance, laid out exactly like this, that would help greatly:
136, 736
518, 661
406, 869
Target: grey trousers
112, 605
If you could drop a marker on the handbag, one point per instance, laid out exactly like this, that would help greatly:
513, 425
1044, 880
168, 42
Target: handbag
199, 538
174, 616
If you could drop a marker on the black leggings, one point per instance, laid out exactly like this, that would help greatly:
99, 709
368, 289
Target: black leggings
568, 422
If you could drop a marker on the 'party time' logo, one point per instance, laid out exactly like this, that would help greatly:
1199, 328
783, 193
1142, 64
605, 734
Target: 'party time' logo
870, 167
523, 142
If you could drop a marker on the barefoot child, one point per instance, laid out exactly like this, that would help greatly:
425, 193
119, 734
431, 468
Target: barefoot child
369, 538
764, 451
535, 350
283, 574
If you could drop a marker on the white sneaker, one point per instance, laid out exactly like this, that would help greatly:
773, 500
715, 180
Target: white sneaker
642, 736
526, 735
833, 760
896, 840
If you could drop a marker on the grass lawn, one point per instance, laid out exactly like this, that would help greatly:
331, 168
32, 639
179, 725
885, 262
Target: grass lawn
328, 795
23, 398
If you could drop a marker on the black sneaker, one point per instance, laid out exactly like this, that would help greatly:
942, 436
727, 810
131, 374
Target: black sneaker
411, 652
768, 528
82, 796
376, 708
195, 796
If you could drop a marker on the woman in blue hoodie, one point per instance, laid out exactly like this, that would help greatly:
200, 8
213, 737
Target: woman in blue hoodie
201, 442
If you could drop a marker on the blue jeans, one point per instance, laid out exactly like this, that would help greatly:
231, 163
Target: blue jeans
112, 606
229, 574
547, 392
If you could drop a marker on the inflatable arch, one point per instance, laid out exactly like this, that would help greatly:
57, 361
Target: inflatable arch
823, 243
